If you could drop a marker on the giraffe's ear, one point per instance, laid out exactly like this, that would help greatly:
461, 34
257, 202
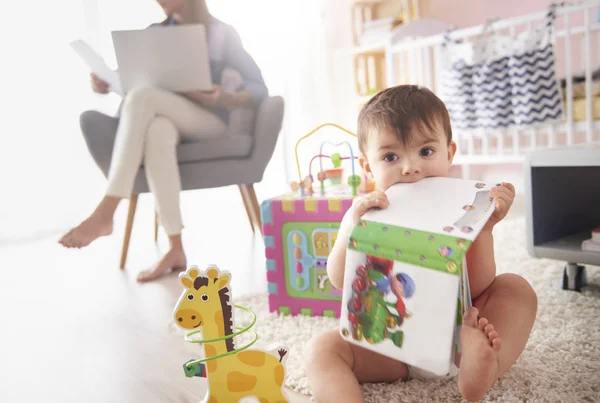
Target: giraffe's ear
193, 272
186, 281
223, 281
212, 272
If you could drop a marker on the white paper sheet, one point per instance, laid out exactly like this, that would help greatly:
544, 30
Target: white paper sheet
97, 65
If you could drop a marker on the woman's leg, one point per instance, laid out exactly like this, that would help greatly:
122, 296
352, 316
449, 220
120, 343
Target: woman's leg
125, 163
162, 171
141, 106
99, 223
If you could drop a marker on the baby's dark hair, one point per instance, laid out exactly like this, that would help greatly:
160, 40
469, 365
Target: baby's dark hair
401, 109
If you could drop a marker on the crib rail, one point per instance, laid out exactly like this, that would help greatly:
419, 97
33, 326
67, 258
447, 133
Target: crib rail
577, 52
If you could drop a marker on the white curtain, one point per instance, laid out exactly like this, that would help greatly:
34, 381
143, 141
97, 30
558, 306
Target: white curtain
44, 169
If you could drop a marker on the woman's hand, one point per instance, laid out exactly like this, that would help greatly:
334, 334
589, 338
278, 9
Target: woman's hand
99, 86
207, 98
215, 98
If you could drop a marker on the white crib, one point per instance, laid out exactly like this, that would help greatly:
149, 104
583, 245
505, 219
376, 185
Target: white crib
577, 51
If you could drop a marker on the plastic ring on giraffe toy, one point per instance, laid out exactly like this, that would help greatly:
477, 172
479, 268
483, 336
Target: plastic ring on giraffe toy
239, 331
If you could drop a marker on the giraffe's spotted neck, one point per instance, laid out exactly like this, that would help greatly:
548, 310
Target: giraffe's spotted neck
220, 325
213, 329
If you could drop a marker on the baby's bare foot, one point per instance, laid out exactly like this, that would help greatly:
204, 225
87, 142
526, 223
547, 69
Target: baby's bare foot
174, 259
90, 229
490, 333
479, 361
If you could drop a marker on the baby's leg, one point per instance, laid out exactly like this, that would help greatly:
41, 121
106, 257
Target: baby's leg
335, 367
509, 304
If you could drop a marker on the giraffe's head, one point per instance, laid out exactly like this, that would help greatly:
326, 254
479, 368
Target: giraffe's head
204, 296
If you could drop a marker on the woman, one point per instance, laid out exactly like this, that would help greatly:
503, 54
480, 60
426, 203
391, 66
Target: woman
152, 123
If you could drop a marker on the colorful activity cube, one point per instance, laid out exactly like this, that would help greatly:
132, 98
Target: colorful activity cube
299, 233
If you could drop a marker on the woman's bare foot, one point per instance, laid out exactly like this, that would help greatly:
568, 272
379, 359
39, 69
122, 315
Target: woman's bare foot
91, 228
479, 361
174, 259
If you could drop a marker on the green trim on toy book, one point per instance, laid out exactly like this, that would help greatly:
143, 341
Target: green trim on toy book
459, 313
312, 292
407, 245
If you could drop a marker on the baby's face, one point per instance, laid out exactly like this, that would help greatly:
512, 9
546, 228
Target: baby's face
387, 161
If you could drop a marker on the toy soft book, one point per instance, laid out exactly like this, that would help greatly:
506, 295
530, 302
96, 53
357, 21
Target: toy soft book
406, 285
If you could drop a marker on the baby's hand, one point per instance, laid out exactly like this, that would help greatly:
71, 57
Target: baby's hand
503, 196
375, 199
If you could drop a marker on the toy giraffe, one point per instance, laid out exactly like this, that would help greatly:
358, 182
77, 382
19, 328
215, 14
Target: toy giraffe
205, 304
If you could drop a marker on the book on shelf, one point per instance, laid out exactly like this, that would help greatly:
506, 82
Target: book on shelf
381, 23
370, 38
414, 29
592, 244
377, 31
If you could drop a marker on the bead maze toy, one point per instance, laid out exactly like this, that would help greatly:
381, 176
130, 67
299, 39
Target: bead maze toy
300, 229
233, 373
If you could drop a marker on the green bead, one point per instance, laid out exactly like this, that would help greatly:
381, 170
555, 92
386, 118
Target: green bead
336, 159
299, 281
354, 180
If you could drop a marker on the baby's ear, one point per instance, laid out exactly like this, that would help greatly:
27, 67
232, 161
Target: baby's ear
364, 164
362, 161
451, 151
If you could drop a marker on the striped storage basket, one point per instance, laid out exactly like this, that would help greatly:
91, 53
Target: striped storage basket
502, 81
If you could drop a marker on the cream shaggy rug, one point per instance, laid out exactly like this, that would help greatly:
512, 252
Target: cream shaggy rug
561, 362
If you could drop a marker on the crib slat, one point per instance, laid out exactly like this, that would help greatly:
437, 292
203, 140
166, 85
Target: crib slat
551, 136
400, 75
533, 143
413, 66
427, 62
419, 66
500, 147
516, 139
390, 68
588, 75
437, 67
485, 150
470, 145
569, 78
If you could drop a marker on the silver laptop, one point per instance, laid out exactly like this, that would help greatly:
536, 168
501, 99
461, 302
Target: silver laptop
173, 58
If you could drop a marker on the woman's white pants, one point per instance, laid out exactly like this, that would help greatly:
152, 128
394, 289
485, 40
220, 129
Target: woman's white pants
152, 123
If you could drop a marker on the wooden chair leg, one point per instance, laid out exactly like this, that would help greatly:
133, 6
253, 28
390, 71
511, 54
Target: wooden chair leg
128, 227
245, 200
155, 226
254, 206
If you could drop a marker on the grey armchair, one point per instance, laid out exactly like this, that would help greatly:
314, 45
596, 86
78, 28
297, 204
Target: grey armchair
233, 159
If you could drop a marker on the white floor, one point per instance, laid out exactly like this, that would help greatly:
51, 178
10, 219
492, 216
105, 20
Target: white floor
75, 328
